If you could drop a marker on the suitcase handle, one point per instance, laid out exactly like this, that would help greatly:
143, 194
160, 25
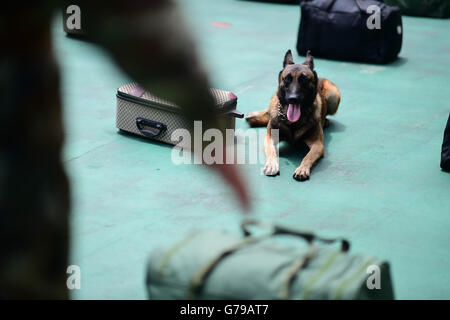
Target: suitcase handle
234, 113
150, 128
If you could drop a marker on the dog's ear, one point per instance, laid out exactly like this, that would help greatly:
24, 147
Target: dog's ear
288, 59
316, 79
309, 60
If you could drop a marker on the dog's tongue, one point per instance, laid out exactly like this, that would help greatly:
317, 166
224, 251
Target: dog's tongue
293, 112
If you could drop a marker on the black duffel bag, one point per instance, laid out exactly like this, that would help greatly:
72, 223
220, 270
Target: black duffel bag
445, 155
423, 8
350, 30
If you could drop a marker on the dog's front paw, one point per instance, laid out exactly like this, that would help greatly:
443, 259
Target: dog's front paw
271, 168
301, 173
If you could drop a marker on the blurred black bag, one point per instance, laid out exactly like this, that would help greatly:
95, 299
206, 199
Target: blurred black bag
445, 156
360, 30
423, 8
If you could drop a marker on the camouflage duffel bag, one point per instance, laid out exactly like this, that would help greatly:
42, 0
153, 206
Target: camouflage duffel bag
281, 263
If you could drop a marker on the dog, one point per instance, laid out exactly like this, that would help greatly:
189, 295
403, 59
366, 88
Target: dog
298, 109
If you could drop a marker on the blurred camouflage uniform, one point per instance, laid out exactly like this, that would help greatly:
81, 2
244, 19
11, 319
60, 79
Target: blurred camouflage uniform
148, 40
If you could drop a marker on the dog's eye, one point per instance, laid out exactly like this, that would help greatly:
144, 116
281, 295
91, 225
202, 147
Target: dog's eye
288, 78
302, 78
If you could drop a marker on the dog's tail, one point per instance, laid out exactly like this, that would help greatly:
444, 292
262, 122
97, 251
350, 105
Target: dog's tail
258, 118
332, 97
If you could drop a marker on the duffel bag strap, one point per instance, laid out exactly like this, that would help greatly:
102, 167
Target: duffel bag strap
324, 4
198, 281
297, 266
327, 4
301, 262
363, 5
279, 230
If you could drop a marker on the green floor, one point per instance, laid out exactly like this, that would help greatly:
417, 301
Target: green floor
380, 184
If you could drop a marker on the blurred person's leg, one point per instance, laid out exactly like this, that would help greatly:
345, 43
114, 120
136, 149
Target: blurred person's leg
34, 194
151, 42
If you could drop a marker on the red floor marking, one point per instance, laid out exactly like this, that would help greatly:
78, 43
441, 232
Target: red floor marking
220, 24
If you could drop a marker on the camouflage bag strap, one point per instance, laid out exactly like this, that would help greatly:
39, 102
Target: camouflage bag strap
308, 236
198, 281
301, 262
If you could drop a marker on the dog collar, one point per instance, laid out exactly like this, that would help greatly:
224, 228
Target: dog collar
281, 115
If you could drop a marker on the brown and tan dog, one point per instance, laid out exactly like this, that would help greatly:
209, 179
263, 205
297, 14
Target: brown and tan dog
298, 109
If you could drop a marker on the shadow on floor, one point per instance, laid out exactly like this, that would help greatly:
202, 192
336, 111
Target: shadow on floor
296, 153
399, 62
135, 137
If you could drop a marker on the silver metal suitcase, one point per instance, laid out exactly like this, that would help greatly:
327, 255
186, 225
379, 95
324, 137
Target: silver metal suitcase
141, 113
